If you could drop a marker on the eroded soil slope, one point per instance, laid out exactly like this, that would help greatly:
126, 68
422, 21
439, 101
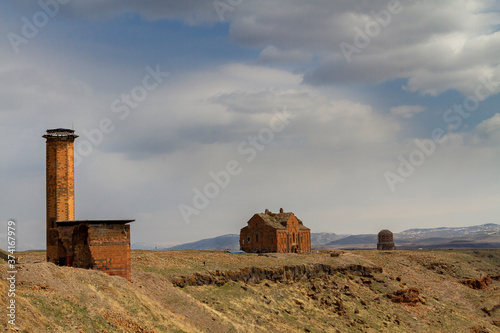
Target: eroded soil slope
210, 291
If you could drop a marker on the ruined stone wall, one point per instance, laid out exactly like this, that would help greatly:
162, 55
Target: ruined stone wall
258, 237
385, 240
244, 244
59, 245
298, 237
386, 246
101, 246
243, 239
52, 245
110, 249
282, 241
305, 241
293, 234
70, 246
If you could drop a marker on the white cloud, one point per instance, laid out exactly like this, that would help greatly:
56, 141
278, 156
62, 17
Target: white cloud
407, 111
272, 54
327, 165
489, 130
437, 46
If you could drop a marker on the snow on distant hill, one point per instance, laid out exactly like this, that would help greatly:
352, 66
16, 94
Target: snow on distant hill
483, 229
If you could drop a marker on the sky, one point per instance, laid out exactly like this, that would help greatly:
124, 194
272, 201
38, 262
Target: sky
194, 115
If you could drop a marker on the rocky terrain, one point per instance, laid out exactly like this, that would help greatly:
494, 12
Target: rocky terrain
214, 291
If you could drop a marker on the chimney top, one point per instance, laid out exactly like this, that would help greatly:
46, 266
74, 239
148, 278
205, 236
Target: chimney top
60, 132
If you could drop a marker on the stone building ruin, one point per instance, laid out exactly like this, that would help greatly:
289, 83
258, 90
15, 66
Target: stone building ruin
275, 232
385, 240
95, 244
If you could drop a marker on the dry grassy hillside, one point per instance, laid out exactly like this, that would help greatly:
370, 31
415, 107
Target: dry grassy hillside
358, 291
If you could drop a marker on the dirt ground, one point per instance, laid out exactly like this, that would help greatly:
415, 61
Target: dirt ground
415, 291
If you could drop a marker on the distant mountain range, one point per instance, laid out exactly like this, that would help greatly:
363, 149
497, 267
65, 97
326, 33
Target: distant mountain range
479, 236
483, 229
231, 242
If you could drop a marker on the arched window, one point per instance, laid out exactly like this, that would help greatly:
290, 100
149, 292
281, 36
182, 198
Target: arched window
256, 238
248, 239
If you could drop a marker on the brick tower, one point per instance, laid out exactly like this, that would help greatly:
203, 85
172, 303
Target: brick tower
60, 181
385, 240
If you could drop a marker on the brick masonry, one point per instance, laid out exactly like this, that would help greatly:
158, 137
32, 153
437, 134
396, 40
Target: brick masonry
60, 181
281, 232
102, 245
385, 240
110, 248
95, 245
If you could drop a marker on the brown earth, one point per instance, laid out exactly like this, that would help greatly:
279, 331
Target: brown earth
482, 283
408, 296
211, 291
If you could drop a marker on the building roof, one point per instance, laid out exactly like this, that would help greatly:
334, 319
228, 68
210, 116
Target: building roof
271, 221
60, 130
75, 222
302, 227
60, 133
279, 220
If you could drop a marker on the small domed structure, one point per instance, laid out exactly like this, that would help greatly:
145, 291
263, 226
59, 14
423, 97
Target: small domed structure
385, 240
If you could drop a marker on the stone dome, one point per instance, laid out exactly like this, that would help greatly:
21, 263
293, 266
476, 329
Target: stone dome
385, 240
385, 233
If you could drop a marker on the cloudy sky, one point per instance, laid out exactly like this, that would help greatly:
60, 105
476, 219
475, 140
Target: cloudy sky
194, 115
